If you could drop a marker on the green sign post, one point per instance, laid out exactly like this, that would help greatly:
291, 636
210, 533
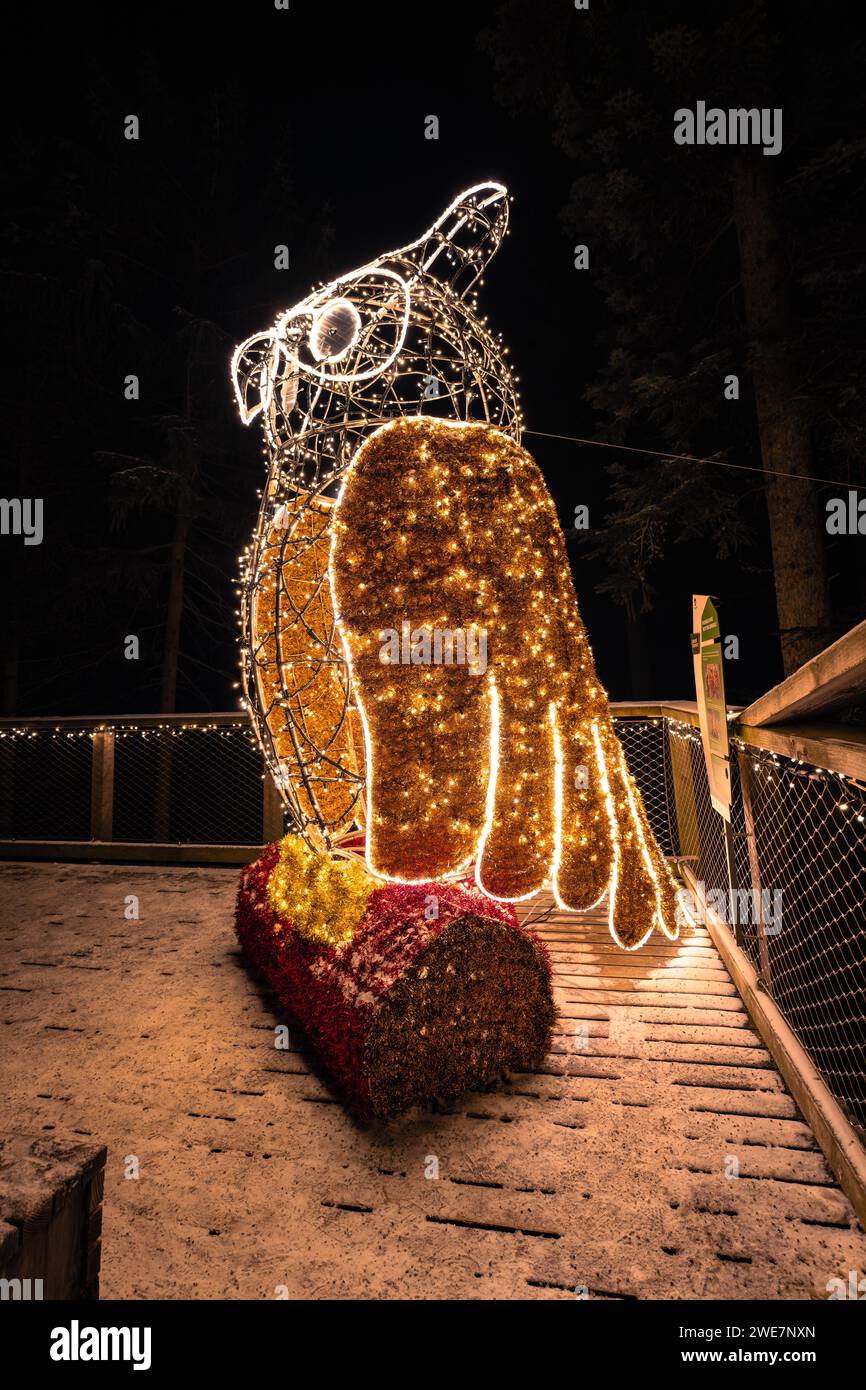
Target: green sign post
712, 708
713, 717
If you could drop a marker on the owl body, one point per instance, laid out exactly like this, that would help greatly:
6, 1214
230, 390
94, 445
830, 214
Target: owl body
400, 336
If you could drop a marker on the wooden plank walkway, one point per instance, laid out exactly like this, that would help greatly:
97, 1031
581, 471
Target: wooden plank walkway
656, 1154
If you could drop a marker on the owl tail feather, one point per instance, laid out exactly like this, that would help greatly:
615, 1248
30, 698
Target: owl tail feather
605, 843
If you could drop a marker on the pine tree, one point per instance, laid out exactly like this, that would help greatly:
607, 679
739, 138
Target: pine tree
713, 261
149, 258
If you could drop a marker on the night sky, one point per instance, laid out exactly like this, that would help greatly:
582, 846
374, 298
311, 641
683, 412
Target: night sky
337, 97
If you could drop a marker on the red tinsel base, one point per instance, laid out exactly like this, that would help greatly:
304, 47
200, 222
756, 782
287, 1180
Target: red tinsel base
416, 1007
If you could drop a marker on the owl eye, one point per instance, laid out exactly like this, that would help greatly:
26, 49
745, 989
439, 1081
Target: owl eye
334, 330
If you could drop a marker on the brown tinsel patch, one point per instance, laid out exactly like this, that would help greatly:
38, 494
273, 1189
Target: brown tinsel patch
476, 1005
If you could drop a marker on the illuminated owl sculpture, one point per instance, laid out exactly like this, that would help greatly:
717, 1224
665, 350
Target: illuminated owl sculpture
414, 660
399, 336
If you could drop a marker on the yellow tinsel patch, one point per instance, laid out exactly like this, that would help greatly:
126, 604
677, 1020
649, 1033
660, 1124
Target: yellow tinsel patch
324, 899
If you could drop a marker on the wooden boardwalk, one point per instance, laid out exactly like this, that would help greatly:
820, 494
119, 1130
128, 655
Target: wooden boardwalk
656, 1154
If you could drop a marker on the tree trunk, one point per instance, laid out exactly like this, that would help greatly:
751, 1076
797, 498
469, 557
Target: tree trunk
11, 647
639, 668
168, 698
10, 705
174, 615
795, 529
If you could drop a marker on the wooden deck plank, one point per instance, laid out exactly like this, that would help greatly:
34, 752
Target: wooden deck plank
607, 1166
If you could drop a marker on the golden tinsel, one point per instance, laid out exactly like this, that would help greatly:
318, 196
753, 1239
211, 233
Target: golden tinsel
299, 687
324, 899
450, 527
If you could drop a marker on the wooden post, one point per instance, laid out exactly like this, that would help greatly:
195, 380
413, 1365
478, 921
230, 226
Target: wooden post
7, 787
733, 879
273, 827
102, 785
162, 790
50, 1217
746, 785
684, 797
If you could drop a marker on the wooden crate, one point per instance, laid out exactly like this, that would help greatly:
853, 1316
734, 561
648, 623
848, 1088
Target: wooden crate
50, 1217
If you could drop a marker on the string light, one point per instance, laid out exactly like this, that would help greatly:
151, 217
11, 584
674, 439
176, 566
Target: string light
391, 344
407, 340
476, 769
129, 730
315, 737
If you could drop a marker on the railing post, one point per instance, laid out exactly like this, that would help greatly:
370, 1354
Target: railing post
684, 797
746, 786
273, 827
733, 881
102, 785
7, 788
162, 791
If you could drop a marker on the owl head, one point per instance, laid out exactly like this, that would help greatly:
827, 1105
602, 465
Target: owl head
400, 335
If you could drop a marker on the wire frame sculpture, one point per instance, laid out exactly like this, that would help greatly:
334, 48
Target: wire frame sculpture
399, 336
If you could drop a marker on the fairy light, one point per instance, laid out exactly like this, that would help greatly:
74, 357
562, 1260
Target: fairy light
312, 734
411, 360
490, 808
559, 818
613, 882
638, 820
128, 730
474, 768
414, 326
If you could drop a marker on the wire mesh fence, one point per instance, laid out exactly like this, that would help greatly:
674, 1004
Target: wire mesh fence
796, 900
647, 752
186, 782
797, 903
193, 781
203, 786
45, 785
810, 860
